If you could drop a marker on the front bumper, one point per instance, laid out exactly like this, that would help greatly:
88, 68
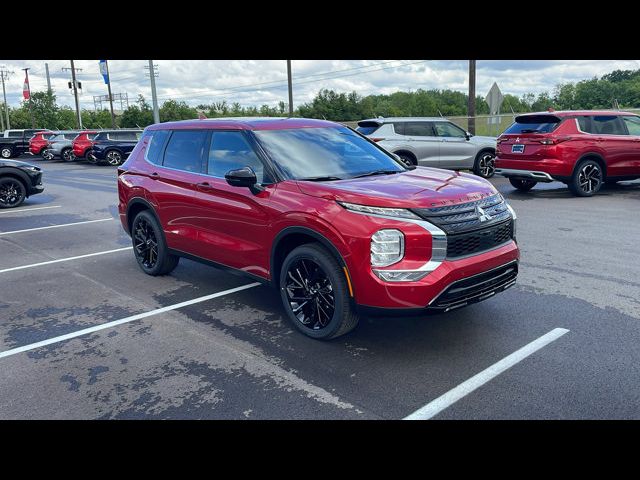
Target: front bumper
525, 174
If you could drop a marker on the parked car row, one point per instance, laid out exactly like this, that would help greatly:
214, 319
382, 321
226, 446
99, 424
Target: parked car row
110, 147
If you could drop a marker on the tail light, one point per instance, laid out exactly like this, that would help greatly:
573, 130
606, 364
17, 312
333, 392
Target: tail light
554, 140
377, 139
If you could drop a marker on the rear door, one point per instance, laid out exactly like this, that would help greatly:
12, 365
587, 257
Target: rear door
611, 137
456, 151
632, 123
424, 142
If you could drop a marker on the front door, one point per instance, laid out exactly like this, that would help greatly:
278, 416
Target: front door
456, 151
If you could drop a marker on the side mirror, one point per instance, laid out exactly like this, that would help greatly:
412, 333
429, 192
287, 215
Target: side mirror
468, 135
243, 177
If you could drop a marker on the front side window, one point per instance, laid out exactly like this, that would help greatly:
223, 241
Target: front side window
155, 146
184, 150
324, 153
633, 125
231, 151
446, 129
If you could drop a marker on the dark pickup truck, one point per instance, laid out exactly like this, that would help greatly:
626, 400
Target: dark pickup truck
14, 143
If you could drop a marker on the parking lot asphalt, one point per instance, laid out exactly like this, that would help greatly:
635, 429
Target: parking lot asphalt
237, 357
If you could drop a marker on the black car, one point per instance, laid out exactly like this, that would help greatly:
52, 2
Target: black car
18, 180
113, 146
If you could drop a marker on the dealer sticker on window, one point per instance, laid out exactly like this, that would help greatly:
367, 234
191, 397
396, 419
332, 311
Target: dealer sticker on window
517, 148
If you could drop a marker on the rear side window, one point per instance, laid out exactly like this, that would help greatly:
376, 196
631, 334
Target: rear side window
367, 128
230, 151
69, 136
633, 125
184, 150
399, 128
156, 145
602, 125
15, 133
419, 129
534, 124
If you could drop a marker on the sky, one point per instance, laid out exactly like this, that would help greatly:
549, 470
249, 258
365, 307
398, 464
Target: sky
257, 82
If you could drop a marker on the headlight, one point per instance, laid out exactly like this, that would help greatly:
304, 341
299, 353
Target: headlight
31, 169
515, 218
386, 212
387, 247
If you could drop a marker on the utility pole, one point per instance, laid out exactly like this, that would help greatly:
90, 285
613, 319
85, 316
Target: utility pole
1, 122
4, 74
26, 72
46, 69
471, 109
290, 88
113, 116
154, 98
75, 92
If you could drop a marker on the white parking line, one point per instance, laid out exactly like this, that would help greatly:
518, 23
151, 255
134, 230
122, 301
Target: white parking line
56, 226
68, 259
434, 407
29, 209
133, 318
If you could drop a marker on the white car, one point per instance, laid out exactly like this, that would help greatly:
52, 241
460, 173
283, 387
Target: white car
432, 142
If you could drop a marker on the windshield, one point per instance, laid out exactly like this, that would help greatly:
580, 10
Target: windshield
325, 153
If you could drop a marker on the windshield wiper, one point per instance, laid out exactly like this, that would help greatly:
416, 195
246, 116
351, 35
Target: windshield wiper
319, 179
377, 172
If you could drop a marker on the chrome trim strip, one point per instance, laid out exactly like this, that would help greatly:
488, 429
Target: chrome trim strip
532, 174
438, 244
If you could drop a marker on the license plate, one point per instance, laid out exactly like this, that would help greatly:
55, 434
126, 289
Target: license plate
517, 148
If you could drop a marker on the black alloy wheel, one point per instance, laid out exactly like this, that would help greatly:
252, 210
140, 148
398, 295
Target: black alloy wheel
12, 192
315, 293
149, 246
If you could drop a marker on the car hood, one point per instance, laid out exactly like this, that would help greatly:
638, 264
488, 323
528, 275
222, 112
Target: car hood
420, 188
16, 163
480, 140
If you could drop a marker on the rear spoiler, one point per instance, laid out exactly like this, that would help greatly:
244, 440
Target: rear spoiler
538, 118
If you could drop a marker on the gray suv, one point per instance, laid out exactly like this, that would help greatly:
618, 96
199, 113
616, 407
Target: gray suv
60, 146
432, 142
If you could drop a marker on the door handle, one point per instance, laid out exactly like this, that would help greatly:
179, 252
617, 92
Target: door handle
154, 176
204, 186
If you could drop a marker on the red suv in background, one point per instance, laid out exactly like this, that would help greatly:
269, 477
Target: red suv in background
337, 224
39, 142
583, 149
83, 143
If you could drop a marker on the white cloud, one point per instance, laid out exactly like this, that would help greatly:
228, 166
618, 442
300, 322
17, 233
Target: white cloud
255, 82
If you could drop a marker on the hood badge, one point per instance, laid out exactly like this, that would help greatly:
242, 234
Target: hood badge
482, 215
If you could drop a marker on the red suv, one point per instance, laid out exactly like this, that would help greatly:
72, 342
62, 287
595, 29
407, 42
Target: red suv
337, 224
39, 142
83, 143
583, 149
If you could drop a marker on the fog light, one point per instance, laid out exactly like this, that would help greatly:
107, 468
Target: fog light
387, 247
399, 276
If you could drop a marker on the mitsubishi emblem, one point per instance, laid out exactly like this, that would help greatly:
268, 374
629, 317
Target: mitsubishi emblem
482, 215
517, 139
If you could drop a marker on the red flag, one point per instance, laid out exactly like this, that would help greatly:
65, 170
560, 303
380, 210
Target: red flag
25, 88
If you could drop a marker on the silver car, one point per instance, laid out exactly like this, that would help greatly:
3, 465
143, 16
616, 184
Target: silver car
432, 142
60, 146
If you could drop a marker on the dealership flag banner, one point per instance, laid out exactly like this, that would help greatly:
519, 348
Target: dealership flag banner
25, 89
104, 71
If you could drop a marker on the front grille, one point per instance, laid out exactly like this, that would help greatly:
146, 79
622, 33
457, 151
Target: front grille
476, 288
479, 241
465, 217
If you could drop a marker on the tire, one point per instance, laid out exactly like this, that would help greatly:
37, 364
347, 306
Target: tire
67, 155
150, 247
407, 159
90, 157
587, 178
6, 152
484, 165
12, 192
114, 158
522, 184
316, 277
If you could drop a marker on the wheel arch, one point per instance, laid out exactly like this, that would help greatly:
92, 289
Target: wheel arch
409, 153
292, 237
591, 156
137, 205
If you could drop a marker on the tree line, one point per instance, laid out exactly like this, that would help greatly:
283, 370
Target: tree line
618, 89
